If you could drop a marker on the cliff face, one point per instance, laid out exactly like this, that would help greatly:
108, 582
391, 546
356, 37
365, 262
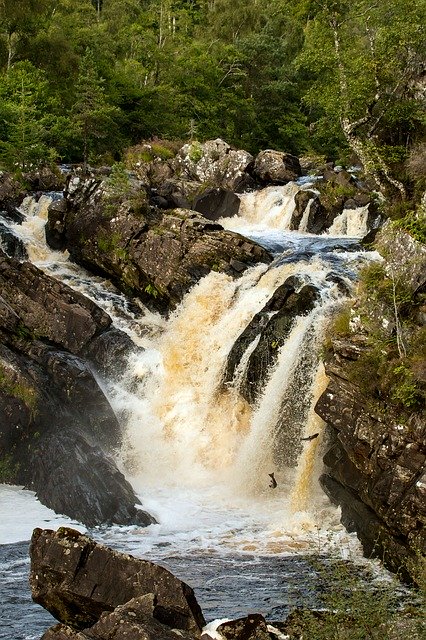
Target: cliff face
374, 469
374, 409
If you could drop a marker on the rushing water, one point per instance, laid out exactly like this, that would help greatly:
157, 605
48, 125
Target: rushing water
195, 451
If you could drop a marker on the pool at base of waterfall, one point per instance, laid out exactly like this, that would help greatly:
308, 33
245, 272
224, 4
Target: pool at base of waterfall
233, 561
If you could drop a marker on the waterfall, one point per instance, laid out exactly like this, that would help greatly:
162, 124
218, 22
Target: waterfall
195, 449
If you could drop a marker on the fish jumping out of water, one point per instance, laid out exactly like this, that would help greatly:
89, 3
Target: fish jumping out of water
273, 482
315, 435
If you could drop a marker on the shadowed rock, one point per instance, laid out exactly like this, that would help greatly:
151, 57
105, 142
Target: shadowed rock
57, 428
217, 203
289, 301
77, 580
253, 627
375, 468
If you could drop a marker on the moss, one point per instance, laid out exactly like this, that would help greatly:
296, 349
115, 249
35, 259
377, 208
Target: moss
333, 194
152, 290
110, 244
8, 469
16, 389
161, 151
195, 152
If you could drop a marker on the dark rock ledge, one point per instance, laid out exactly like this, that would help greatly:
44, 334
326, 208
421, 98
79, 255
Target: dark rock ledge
375, 469
58, 432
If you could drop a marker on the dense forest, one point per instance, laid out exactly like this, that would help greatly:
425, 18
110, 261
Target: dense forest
84, 79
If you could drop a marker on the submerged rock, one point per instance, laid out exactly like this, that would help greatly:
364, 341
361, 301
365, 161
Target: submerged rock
78, 580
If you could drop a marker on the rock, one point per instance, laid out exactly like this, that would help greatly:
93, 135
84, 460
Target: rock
158, 256
75, 477
214, 163
77, 580
49, 308
252, 627
55, 230
289, 301
11, 195
109, 352
276, 167
57, 427
374, 468
45, 179
217, 203
131, 620
11, 244
317, 220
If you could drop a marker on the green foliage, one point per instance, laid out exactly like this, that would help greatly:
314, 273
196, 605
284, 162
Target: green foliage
152, 290
111, 244
117, 183
27, 119
8, 470
195, 152
390, 369
333, 194
356, 608
413, 224
256, 74
17, 389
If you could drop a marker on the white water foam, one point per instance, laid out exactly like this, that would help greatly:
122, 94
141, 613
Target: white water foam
196, 452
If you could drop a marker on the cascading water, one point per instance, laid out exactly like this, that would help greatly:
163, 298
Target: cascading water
195, 450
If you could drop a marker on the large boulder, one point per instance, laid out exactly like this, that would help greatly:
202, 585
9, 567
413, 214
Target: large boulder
276, 167
217, 203
214, 163
132, 620
78, 580
153, 254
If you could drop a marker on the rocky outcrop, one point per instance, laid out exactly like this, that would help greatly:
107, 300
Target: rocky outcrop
375, 468
58, 431
270, 328
100, 594
156, 255
276, 167
11, 195
214, 163
107, 594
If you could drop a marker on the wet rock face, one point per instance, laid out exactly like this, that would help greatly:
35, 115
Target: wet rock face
289, 301
375, 469
57, 428
78, 580
91, 488
154, 254
50, 309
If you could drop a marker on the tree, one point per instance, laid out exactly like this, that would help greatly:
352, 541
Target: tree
365, 57
18, 21
93, 115
27, 115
